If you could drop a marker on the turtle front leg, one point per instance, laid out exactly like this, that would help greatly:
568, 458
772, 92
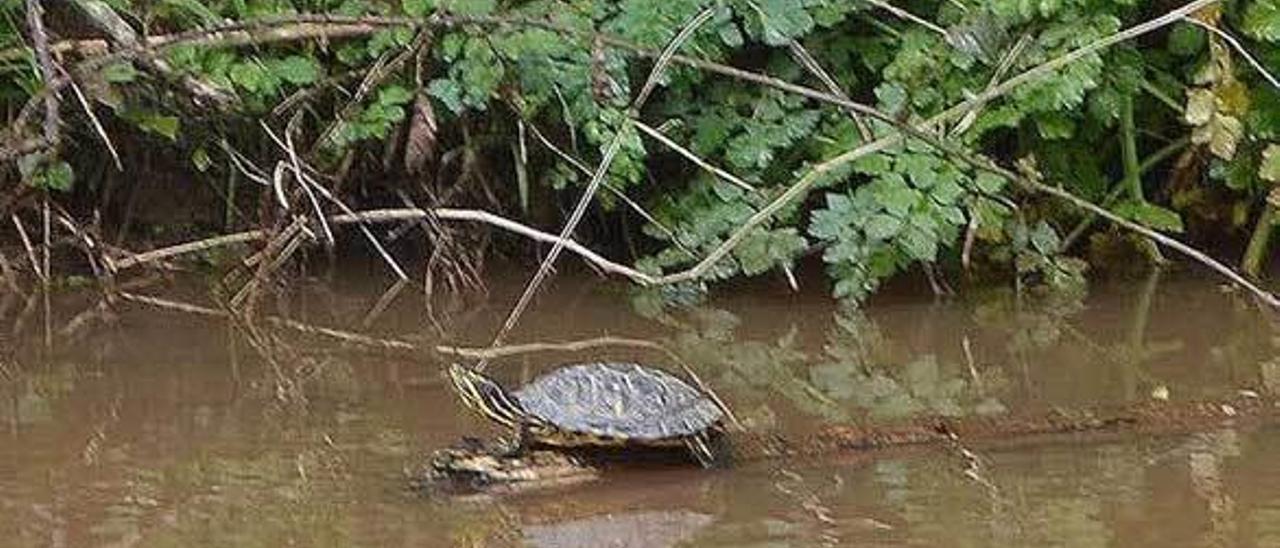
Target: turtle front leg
514, 445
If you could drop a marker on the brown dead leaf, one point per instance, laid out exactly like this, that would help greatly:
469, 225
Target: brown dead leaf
420, 143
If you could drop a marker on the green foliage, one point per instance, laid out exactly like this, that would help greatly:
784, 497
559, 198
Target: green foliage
1262, 20
377, 118
913, 205
874, 218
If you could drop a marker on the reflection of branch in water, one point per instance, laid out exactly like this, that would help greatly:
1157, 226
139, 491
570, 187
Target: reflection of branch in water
345, 336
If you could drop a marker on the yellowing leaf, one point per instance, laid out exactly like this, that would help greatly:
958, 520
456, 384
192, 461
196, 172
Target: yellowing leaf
1269, 170
1201, 104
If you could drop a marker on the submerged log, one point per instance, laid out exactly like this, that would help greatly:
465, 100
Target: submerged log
471, 467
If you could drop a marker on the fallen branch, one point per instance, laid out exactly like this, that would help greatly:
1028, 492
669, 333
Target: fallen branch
390, 216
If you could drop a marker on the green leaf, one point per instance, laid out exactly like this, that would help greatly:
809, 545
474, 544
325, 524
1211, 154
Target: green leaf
1151, 215
448, 92
1269, 168
989, 183
251, 76
297, 70
1262, 20
1045, 239
58, 176
152, 122
783, 20
119, 73
470, 7
394, 95
418, 8
919, 244
200, 159
195, 9
1186, 40
882, 227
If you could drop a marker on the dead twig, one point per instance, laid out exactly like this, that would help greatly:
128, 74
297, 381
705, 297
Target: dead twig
1235, 44
40, 41
26, 244
93, 120
811, 64
692, 157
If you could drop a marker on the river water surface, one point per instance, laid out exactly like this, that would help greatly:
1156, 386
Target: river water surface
166, 429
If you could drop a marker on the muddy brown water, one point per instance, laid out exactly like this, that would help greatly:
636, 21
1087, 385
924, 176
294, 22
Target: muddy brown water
167, 430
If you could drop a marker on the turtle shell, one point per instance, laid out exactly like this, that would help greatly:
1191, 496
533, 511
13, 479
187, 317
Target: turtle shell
623, 401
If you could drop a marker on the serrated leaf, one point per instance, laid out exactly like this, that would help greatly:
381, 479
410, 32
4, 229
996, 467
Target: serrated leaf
882, 227
918, 244
448, 92
297, 70
252, 76
1262, 20
470, 7
1150, 215
783, 20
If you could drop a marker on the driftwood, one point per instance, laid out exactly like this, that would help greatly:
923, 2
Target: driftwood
472, 467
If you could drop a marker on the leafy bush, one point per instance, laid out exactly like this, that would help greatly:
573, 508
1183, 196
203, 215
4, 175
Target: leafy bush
1182, 106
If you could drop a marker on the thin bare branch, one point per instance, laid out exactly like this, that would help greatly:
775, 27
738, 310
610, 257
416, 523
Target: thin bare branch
811, 64
602, 170
908, 16
40, 41
1235, 44
97, 124
692, 157
393, 216
26, 244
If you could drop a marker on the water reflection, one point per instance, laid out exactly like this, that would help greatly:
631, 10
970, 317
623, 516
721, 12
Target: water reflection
167, 431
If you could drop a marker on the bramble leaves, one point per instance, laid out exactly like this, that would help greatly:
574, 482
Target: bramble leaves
491, 85
892, 221
1262, 20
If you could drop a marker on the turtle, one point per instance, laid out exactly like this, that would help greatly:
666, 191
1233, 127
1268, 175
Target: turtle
599, 404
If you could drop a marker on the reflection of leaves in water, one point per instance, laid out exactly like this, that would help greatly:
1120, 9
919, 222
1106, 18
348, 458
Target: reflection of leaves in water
756, 372
36, 392
1031, 323
853, 372
920, 386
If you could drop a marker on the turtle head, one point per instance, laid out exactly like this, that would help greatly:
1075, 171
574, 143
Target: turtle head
486, 397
